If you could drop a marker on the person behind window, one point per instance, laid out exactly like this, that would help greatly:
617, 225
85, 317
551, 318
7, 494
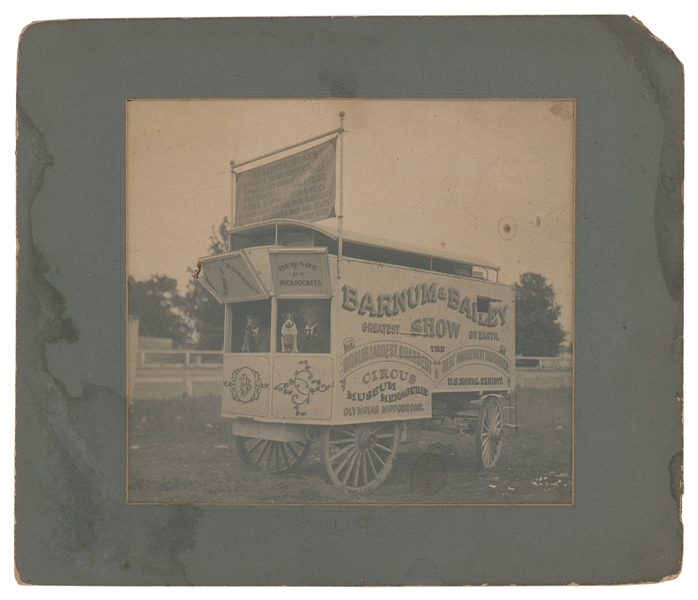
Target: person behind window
256, 335
316, 335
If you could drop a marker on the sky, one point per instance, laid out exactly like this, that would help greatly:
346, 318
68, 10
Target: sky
436, 173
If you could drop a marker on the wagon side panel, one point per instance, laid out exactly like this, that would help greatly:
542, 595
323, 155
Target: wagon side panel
483, 358
408, 333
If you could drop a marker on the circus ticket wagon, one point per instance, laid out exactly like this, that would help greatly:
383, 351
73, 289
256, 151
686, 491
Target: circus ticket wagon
352, 343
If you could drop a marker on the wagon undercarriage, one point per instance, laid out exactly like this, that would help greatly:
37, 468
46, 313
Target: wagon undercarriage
359, 457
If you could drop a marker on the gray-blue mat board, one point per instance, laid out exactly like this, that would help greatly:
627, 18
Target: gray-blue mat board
73, 523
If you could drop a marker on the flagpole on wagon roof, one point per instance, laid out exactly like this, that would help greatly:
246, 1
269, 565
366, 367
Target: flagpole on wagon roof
232, 199
340, 216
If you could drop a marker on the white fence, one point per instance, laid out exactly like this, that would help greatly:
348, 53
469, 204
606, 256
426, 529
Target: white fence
543, 372
163, 374
166, 374
544, 363
178, 359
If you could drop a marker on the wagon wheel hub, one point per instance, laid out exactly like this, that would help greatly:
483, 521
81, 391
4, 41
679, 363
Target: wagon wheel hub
366, 439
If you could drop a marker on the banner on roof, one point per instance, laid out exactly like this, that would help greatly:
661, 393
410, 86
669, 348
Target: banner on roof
300, 186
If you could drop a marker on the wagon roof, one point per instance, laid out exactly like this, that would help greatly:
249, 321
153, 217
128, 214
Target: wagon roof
368, 240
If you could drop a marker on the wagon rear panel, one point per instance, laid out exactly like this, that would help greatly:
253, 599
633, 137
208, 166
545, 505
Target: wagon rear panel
274, 386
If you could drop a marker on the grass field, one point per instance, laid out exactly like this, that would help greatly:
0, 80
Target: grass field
181, 451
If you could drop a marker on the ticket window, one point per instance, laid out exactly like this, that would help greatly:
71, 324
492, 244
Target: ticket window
249, 327
303, 326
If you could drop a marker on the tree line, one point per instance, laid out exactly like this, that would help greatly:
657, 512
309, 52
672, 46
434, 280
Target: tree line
194, 319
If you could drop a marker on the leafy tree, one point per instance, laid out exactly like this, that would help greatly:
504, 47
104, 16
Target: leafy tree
206, 316
159, 308
538, 331
218, 237
192, 320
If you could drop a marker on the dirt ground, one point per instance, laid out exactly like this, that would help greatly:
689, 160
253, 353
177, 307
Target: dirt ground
181, 451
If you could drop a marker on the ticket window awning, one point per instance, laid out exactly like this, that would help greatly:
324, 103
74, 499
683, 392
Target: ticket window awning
231, 278
257, 273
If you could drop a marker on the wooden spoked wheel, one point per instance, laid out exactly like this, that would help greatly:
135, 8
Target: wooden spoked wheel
358, 458
488, 433
278, 458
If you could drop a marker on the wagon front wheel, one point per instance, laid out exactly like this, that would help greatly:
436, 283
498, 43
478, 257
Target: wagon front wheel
358, 458
278, 458
488, 433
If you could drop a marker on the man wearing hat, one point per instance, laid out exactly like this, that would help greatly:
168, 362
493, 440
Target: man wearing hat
256, 336
316, 335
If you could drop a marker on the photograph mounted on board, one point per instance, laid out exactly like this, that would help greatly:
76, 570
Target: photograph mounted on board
350, 301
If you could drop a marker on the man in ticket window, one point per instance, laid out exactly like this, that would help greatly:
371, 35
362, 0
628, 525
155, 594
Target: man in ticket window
256, 335
315, 337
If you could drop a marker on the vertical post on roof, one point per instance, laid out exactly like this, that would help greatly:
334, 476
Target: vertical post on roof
232, 194
340, 216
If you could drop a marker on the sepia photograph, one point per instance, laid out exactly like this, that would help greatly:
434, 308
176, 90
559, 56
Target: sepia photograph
350, 301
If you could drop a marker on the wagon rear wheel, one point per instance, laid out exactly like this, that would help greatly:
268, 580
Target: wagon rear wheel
274, 457
488, 433
358, 458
